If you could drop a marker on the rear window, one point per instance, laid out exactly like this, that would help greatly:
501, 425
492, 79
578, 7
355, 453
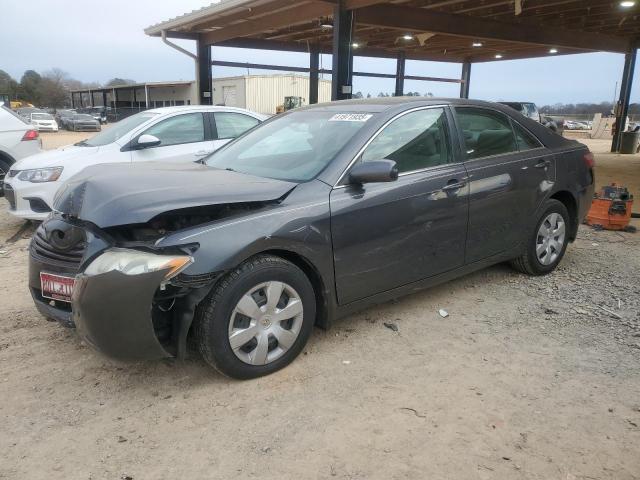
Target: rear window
14, 114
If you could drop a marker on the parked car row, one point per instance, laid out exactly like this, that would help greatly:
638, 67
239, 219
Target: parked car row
311, 215
578, 125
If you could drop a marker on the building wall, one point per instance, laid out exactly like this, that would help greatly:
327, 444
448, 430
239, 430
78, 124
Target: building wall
263, 93
230, 91
179, 93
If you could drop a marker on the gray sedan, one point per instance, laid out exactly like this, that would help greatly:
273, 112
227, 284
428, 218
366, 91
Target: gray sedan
81, 122
310, 216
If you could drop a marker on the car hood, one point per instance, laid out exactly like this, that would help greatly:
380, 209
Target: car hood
55, 158
121, 194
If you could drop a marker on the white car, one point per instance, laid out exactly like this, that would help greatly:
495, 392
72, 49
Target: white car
18, 139
44, 122
171, 134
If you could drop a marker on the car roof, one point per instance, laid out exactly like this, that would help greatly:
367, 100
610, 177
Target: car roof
209, 108
382, 104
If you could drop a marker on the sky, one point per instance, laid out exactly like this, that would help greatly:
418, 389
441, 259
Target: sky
96, 41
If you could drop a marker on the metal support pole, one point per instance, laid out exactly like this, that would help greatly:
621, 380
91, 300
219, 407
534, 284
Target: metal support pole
314, 66
135, 101
400, 63
341, 78
91, 98
204, 76
466, 79
622, 109
104, 98
73, 103
146, 96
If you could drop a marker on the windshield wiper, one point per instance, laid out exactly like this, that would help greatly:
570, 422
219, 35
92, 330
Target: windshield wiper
81, 143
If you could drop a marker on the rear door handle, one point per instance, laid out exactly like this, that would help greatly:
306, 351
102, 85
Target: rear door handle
543, 164
454, 185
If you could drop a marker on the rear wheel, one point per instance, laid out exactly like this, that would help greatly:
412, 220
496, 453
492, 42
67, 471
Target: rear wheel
547, 242
257, 319
4, 169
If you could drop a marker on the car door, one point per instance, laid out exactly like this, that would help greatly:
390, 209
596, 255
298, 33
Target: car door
390, 234
509, 170
230, 125
185, 137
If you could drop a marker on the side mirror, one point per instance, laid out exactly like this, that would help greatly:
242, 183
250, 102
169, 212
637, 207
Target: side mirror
374, 171
146, 141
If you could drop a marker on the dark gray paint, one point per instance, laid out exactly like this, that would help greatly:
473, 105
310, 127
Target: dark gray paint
381, 240
121, 194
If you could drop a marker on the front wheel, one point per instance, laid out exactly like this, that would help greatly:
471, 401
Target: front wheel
547, 242
257, 319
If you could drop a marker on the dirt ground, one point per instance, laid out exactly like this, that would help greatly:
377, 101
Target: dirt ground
527, 378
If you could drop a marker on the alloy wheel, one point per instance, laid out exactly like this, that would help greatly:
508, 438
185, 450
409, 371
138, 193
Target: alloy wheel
550, 239
265, 323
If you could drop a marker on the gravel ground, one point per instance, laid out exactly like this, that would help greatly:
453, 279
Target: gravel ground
527, 378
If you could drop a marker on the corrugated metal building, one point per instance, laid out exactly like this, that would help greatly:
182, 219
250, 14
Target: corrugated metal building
260, 93
263, 93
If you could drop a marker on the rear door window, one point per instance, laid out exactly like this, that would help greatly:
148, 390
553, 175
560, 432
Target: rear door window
232, 125
485, 132
524, 139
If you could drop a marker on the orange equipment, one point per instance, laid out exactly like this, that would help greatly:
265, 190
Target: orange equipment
611, 208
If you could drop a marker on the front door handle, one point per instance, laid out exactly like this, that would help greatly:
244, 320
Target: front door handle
543, 164
202, 153
454, 184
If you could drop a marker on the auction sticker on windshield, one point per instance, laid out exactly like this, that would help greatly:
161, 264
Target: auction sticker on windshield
56, 287
350, 117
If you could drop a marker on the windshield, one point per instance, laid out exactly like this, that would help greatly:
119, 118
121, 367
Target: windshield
294, 147
41, 116
118, 130
81, 116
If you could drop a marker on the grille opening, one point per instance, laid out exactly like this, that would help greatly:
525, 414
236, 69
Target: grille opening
43, 251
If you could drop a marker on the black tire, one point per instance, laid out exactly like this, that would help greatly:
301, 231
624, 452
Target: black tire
214, 314
528, 262
4, 169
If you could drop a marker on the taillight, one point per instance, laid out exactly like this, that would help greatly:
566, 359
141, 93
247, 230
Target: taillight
588, 159
30, 135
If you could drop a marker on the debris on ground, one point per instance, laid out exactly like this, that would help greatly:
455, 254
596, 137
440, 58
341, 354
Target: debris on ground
443, 313
391, 326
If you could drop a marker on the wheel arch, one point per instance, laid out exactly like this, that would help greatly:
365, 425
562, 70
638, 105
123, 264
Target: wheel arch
6, 157
314, 276
569, 201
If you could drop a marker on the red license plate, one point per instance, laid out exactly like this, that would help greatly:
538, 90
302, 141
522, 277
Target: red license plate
56, 287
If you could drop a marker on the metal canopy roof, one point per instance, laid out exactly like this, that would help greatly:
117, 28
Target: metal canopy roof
441, 30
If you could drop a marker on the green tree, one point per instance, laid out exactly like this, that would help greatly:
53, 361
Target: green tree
8, 85
30, 85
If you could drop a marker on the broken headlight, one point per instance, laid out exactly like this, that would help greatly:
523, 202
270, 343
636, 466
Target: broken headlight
134, 262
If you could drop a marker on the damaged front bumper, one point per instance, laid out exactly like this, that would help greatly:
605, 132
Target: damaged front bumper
112, 313
128, 303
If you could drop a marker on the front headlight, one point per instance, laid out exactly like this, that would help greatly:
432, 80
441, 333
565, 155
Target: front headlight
134, 262
41, 175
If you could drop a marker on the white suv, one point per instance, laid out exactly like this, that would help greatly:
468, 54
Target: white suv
172, 134
18, 139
